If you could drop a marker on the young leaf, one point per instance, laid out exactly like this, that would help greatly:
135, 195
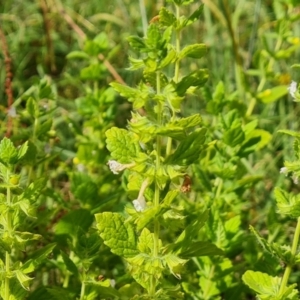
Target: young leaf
263, 284
287, 204
8, 152
137, 96
121, 144
197, 79
166, 18
194, 51
117, 235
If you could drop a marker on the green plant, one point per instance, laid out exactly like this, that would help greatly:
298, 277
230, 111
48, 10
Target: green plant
156, 151
273, 287
18, 208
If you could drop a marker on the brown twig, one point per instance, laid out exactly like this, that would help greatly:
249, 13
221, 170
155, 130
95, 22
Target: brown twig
8, 81
50, 58
82, 35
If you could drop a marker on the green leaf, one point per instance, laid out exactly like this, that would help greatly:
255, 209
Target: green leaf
196, 78
234, 136
37, 258
189, 149
288, 204
70, 223
169, 59
137, 96
77, 55
272, 95
32, 107
136, 43
8, 152
146, 241
102, 41
55, 293
267, 287
93, 72
23, 279
22, 150
118, 235
191, 232
166, 18
44, 128
193, 17
195, 249
281, 253
290, 132
194, 51
147, 216
121, 144
188, 122
71, 267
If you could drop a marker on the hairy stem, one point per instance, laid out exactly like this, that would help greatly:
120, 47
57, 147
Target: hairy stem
288, 269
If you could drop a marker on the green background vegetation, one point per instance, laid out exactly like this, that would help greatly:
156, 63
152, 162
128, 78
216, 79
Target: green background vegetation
63, 56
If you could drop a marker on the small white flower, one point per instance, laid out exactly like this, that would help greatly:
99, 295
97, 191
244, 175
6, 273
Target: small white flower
117, 167
293, 89
284, 170
295, 179
139, 204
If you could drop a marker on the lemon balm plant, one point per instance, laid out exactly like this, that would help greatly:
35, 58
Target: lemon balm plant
268, 286
18, 206
155, 152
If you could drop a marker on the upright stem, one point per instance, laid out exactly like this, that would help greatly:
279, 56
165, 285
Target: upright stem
176, 76
9, 230
288, 268
157, 187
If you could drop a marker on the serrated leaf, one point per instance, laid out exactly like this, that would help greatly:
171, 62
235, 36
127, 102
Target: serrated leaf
166, 18
147, 216
121, 145
189, 149
196, 79
8, 152
188, 122
288, 204
272, 95
137, 96
146, 241
194, 51
118, 235
280, 252
262, 283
